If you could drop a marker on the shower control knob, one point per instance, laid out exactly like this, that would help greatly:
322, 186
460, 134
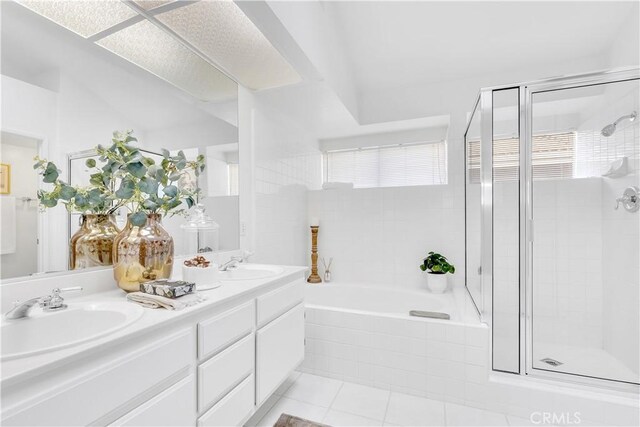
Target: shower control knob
630, 199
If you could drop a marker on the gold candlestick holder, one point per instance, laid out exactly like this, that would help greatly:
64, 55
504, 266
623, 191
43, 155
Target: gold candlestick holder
314, 277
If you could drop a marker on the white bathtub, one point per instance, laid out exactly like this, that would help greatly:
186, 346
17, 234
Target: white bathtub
387, 301
364, 334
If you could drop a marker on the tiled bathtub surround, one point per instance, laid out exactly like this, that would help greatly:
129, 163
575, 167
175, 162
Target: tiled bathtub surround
443, 361
423, 357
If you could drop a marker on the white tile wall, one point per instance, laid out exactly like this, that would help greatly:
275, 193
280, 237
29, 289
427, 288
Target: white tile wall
425, 358
287, 164
567, 262
379, 236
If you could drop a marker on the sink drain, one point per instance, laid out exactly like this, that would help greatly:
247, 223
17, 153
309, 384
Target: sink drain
551, 362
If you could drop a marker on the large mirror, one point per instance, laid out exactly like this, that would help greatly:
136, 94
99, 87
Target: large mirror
68, 83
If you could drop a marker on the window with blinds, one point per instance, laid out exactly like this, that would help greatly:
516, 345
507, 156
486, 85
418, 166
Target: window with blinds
553, 157
389, 166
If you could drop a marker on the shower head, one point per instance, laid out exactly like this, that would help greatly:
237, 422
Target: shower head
609, 129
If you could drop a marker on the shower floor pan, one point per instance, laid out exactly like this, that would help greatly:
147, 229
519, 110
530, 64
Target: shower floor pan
592, 362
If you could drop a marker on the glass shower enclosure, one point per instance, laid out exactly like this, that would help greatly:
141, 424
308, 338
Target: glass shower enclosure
553, 226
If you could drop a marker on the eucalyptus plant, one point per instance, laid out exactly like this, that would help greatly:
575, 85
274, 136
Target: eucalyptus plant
123, 177
437, 264
91, 199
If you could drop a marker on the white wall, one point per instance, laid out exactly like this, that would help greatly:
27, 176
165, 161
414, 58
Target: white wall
279, 162
201, 133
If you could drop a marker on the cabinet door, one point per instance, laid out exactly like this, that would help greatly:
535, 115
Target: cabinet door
176, 406
280, 349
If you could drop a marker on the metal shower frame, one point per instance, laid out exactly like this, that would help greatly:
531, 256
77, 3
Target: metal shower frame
484, 104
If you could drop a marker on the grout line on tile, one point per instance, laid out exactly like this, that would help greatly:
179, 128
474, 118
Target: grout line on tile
444, 409
336, 396
386, 409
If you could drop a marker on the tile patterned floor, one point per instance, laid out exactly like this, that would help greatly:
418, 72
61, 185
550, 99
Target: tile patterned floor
341, 404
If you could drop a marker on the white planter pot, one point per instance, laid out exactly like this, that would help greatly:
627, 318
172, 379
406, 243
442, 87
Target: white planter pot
437, 283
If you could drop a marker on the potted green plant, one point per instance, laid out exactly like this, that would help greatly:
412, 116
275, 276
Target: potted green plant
143, 250
437, 266
92, 244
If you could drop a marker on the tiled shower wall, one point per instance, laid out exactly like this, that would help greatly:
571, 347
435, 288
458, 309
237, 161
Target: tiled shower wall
567, 261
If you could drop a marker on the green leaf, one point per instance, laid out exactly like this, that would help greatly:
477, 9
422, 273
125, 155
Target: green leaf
80, 201
190, 202
50, 173
150, 204
170, 190
67, 192
181, 164
96, 179
137, 169
138, 219
175, 176
423, 267
96, 197
173, 203
166, 154
48, 202
91, 163
148, 185
126, 189
148, 161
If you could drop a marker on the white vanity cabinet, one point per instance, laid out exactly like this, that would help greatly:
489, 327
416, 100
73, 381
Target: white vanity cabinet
213, 367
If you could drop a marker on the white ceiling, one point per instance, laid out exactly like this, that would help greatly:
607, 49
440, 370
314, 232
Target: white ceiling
402, 44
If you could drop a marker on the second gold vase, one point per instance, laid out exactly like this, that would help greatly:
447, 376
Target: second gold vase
141, 254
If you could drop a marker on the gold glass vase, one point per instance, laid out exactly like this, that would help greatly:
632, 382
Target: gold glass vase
92, 244
141, 254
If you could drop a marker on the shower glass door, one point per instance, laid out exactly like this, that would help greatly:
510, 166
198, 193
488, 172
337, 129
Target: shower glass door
584, 167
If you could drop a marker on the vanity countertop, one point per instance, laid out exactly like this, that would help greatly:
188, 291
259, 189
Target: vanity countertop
17, 370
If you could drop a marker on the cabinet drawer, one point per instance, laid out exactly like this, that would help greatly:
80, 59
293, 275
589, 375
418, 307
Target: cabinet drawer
224, 371
276, 302
233, 409
220, 331
108, 391
173, 407
279, 350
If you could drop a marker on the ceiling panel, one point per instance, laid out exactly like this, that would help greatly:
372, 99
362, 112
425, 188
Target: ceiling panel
154, 50
222, 32
151, 4
85, 18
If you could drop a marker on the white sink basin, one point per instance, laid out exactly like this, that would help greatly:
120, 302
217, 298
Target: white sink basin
250, 272
41, 332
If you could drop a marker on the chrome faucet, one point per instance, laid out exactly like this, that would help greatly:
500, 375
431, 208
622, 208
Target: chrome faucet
51, 302
235, 260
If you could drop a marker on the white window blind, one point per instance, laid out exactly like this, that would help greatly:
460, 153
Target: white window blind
553, 157
389, 166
